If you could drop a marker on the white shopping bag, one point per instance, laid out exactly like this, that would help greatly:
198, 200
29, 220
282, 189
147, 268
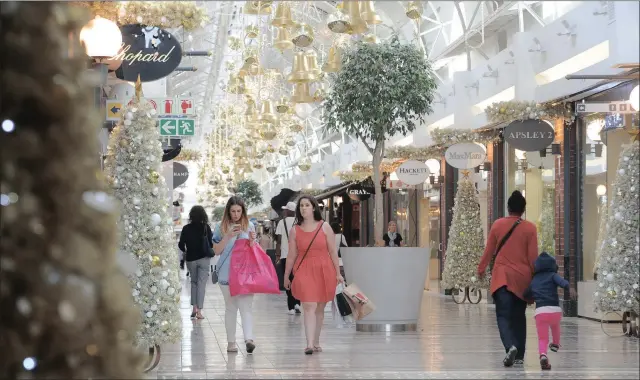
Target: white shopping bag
341, 322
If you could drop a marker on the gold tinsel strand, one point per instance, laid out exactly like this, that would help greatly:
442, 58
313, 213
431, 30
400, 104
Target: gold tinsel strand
65, 303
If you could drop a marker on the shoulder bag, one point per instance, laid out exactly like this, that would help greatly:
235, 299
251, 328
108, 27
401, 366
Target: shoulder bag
504, 240
206, 243
307, 251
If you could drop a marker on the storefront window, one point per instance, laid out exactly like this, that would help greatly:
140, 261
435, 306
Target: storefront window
533, 174
603, 139
429, 224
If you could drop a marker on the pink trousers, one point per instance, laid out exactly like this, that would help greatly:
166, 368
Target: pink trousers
544, 321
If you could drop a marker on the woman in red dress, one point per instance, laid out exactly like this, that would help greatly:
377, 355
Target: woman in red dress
313, 259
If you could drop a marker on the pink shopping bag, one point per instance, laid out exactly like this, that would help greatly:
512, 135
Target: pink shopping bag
251, 270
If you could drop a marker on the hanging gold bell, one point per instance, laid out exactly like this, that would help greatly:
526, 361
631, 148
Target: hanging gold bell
304, 164
268, 132
267, 114
302, 35
236, 84
312, 63
338, 22
283, 151
290, 142
283, 39
255, 69
271, 148
301, 93
320, 93
257, 165
296, 127
370, 38
414, 10
283, 105
225, 169
282, 18
358, 25
250, 56
334, 60
251, 114
271, 168
251, 31
261, 8
369, 14
300, 72
260, 156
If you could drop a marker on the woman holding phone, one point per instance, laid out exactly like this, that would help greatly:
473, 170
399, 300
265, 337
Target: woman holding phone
313, 260
234, 225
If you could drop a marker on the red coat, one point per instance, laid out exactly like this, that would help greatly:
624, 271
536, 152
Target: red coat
514, 265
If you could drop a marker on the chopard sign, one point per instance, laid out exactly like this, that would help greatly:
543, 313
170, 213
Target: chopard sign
148, 51
529, 135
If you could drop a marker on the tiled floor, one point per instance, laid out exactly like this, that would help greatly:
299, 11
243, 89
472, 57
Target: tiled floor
453, 341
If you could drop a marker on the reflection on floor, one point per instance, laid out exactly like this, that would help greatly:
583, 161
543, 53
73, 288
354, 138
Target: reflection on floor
453, 342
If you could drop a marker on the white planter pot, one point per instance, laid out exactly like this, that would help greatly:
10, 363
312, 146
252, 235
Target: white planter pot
393, 278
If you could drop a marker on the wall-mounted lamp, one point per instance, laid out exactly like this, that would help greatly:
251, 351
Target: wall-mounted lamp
101, 38
597, 148
537, 48
485, 167
634, 98
436, 181
601, 190
569, 30
491, 73
555, 150
511, 60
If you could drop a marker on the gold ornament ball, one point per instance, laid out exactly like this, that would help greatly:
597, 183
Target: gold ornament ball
154, 177
124, 143
155, 261
461, 233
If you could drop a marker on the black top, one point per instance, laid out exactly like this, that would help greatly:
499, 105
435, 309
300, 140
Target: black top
191, 241
396, 241
545, 282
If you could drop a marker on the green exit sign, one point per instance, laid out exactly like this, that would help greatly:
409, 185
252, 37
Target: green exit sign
177, 127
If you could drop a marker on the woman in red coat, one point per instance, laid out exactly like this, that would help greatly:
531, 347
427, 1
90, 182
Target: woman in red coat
511, 275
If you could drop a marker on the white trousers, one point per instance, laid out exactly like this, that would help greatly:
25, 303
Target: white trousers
244, 303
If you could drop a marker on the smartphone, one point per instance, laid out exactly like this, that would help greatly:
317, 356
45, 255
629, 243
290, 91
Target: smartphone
237, 227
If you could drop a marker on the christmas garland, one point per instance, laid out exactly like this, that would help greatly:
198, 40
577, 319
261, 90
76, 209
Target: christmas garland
448, 137
504, 112
163, 14
188, 155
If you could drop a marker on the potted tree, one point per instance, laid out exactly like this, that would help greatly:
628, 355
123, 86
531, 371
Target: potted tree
381, 91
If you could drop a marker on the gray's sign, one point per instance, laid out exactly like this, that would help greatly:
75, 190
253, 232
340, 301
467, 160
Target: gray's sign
358, 193
529, 135
180, 174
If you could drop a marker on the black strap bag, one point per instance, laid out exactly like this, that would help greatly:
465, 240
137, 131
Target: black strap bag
305, 252
504, 240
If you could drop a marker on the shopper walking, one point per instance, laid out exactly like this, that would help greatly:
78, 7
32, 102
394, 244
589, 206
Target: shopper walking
392, 238
313, 260
340, 242
198, 261
235, 225
283, 230
544, 291
513, 244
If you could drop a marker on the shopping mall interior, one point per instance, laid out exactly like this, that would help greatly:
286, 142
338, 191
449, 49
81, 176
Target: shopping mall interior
462, 178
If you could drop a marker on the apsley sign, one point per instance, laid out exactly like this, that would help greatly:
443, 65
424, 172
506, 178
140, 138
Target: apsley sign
358, 193
147, 51
465, 155
412, 172
529, 135
180, 174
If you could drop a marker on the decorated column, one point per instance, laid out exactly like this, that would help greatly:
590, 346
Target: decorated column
133, 164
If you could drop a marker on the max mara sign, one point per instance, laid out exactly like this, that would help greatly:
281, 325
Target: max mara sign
412, 172
147, 51
529, 135
465, 155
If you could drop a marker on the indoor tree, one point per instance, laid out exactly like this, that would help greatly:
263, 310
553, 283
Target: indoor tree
250, 192
466, 240
618, 266
133, 165
382, 90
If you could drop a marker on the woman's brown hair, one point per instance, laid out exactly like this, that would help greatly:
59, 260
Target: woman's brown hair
226, 218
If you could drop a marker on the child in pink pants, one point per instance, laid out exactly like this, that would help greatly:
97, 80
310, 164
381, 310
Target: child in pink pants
544, 290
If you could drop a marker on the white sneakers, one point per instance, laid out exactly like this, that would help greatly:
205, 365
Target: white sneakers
291, 312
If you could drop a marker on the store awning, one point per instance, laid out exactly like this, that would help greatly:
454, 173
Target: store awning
335, 190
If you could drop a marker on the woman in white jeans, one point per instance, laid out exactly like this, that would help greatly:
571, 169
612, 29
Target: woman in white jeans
235, 225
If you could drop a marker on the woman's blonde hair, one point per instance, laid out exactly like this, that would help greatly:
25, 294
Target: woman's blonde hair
226, 218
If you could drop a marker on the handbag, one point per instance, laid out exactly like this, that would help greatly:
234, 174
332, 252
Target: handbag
343, 305
360, 304
206, 244
504, 240
307, 251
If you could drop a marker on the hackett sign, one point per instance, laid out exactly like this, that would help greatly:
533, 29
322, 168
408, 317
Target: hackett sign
148, 51
529, 135
412, 172
465, 155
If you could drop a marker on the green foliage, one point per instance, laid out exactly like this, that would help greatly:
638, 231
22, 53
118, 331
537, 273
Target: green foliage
217, 214
249, 190
382, 89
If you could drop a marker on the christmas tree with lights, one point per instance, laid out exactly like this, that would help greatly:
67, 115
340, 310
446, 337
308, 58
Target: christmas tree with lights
618, 267
466, 240
133, 165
